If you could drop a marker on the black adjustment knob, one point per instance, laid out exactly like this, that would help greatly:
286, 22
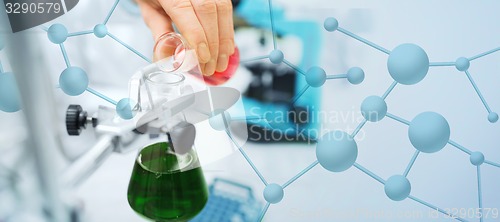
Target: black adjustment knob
76, 119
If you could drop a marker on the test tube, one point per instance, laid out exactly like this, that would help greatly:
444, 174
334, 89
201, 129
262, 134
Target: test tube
175, 54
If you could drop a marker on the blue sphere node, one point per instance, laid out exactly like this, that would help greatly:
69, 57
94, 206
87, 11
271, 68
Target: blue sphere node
397, 188
408, 64
429, 132
493, 117
476, 158
355, 75
273, 193
73, 81
276, 56
336, 151
279, 120
374, 108
331, 24
462, 64
57, 33
220, 120
100, 31
316, 76
125, 108
10, 100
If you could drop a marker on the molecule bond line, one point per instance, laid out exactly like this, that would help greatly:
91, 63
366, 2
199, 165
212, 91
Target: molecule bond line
74, 80
382, 181
357, 37
450, 141
389, 90
412, 161
243, 153
462, 63
266, 207
441, 64
435, 208
110, 12
358, 128
483, 54
297, 69
478, 91
102, 96
80, 33
384, 96
339, 76
396, 187
369, 173
300, 174
65, 55
275, 44
399, 119
492, 163
301, 92
479, 192
460, 147
254, 59
130, 48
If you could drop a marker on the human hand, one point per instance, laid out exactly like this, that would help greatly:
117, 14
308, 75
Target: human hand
206, 24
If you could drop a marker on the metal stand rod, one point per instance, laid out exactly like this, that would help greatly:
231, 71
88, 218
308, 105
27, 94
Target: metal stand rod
89, 162
35, 88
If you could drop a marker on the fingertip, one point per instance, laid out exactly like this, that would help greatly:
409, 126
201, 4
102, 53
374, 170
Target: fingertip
203, 53
231, 51
226, 47
210, 67
222, 63
202, 68
232, 48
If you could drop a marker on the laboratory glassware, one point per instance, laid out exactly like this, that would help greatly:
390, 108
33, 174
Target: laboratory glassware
167, 182
166, 185
166, 46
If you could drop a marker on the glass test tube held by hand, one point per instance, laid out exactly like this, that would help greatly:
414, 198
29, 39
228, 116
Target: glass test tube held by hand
173, 47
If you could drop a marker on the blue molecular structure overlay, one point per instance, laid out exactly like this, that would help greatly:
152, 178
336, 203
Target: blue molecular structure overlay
74, 80
428, 132
336, 151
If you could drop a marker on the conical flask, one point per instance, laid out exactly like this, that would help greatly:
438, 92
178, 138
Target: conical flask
167, 185
167, 182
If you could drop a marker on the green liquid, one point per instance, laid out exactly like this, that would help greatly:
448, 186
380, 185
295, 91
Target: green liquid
167, 187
